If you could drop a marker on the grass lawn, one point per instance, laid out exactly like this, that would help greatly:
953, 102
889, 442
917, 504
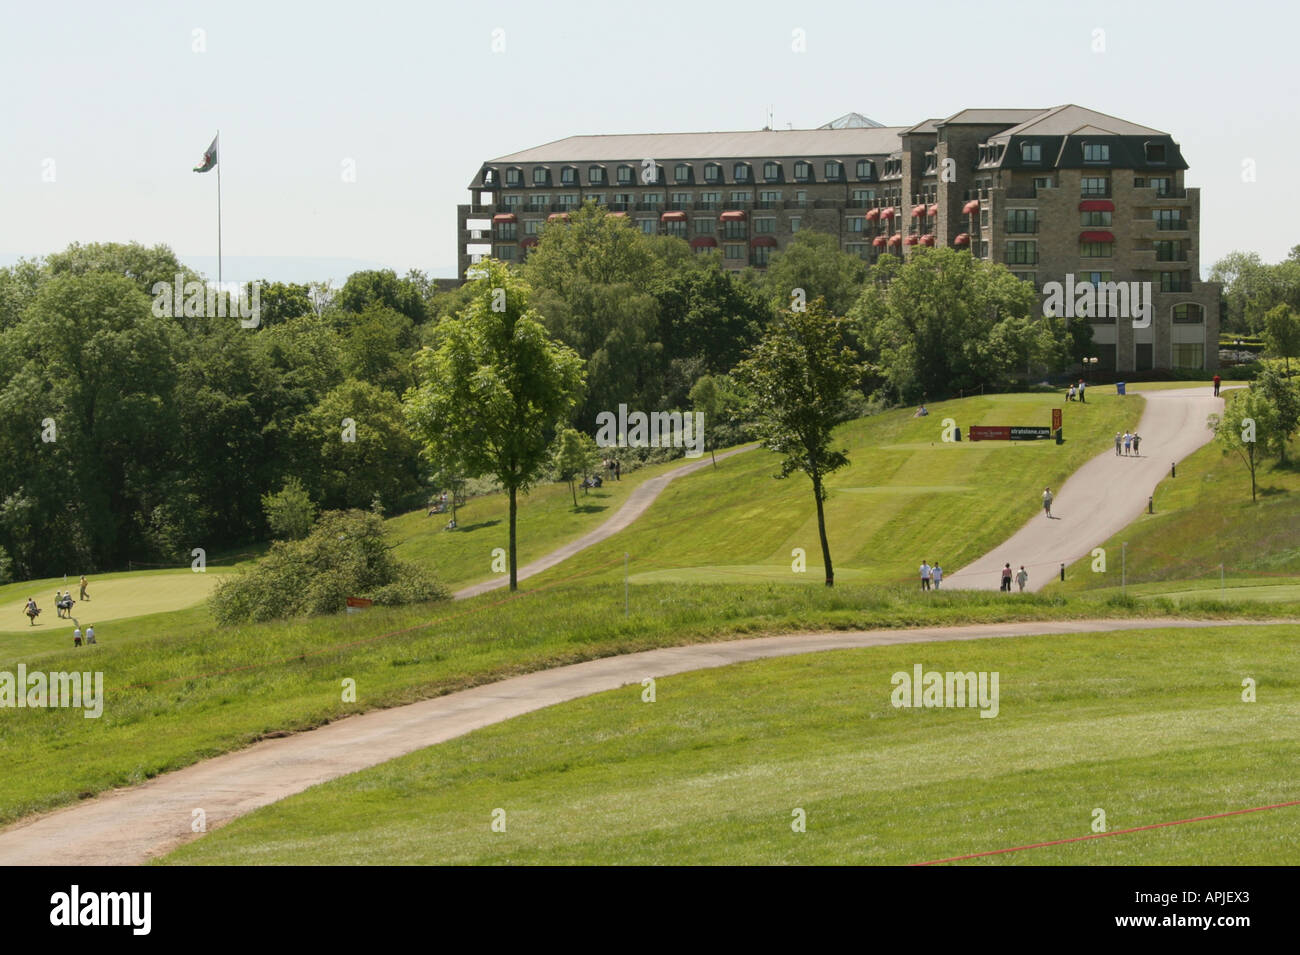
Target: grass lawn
1148, 726
906, 495
1204, 517
546, 520
113, 597
1160, 386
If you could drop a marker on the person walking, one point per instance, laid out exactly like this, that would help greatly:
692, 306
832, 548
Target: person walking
936, 575
84, 595
32, 611
1128, 442
1217, 379
76, 637
926, 574
1136, 441
90, 635
1022, 578
1047, 507
618, 470
1118, 441
1006, 578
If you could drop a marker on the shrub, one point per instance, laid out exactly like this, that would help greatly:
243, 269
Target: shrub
290, 512
344, 556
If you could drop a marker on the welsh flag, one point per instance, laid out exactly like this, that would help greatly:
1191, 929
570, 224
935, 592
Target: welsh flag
209, 157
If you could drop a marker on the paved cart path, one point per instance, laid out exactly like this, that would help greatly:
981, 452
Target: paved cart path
1102, 497
130, 826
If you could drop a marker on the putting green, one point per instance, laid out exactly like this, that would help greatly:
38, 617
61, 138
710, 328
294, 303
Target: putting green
112, 597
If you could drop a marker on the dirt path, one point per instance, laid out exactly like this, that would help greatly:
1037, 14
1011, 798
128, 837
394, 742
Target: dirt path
129, 826
635, 505
1102, 497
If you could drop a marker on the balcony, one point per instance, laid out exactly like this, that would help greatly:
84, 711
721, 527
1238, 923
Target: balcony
620, 207
1176, 255
1171, 225
1021, 228
649, 207
680, 206
1178, 192
768, 204
1021, 259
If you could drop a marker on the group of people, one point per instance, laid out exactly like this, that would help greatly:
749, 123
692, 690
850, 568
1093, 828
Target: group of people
1076, 392
63, 603
1021, 578
931, 575
613, 467
1127, 441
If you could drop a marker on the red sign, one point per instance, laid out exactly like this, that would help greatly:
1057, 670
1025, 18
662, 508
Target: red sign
985, 432
359, 602
1056, 419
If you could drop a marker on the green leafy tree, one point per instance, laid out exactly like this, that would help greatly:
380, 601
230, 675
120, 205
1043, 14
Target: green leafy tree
575, 455
717, 398
594, 248
382, 287
145, 267
1283, 397
814, 264
1246, 419
290, 512
1282, 334
798, 379
281, 301
494, 389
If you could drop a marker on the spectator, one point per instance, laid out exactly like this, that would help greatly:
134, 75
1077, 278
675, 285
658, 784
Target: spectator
1217, 379
90, 635
1082, 384
926, 574
1047, 507
1136, 441
76, 637
1006, 578
936, 575
1022, 578
1119, 441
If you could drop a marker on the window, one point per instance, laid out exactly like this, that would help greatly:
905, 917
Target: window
1091, 278
1170, 250
1155, 152
1169, 220
681, 172
596, 175
489, 177
675, 228
652, 199
1022, 220
801, 197
624, 175
1096, 152
532, 227
1022, 253
648, 226
541, 176
1042, 182
772, 171
860, 249
1189, 355
514, 176
1094, 186
713, 172
795, 222
802, 171
759, 255
597, 197
1163, 185
857, 224
740, 198
734, 251
833, 170
1096, 250
764, 226
1188, 314
1139, 182
710, 200
864, 169
984, 217
705, 226
567, 200
512, 200
734, 230
538, 201
1175, 282
862, 198
1031, 152
622, 201
769, 199
506, 253
1030, 277
740, 172
568, 176
506, 231
1093, 219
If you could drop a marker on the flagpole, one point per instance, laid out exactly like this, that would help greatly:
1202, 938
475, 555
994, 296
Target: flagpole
219, 207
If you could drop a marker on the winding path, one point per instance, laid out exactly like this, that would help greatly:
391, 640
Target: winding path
1101, 498
130, 826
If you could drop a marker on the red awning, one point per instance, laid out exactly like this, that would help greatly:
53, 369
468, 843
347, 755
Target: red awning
873, 215
970, 207
962, 238
927, 240
912, 240
622, 215
733, 215
1096, 237
527, 242
1096, 205
673, 217
704, 242
504, 217
762, 242
934, 210
878, 241
895, 240
918, 211
558, 215
887, 213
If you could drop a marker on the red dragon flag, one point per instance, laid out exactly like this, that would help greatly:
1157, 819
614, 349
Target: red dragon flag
209, 157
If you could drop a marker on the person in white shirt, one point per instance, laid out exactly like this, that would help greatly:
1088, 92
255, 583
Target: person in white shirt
76, 637
936, 575
925, 575
90, 635
1047, 500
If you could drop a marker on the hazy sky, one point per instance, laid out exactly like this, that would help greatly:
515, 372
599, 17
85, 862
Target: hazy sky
115, 103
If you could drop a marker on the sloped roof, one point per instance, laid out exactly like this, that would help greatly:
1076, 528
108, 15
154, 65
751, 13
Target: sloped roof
766, 143
992, 117
1070, 119
928, 126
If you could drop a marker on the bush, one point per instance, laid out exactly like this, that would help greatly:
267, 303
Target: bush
289, 513
345, 555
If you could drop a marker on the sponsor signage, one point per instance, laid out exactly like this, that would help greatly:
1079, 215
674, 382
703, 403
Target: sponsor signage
1056, 419
1005, 433
357, 604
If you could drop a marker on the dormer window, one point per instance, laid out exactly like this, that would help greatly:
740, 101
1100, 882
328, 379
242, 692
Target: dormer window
1155, 152
596, 175
1096, 152
713, 172
833, 170
740, 172
1031, 152
772, 171
864, 169
682, 172
624, 174
569, 176
541, 176
514, 176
